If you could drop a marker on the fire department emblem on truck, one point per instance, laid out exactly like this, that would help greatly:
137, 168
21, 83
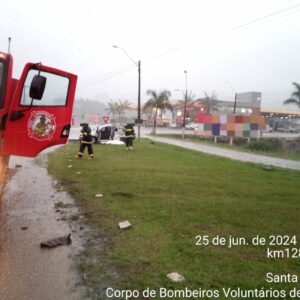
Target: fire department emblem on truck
41, 125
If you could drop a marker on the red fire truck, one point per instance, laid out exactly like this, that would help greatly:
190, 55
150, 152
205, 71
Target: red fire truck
35, 110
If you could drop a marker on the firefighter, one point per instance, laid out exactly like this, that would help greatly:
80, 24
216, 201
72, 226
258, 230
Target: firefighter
86, 141
129, 136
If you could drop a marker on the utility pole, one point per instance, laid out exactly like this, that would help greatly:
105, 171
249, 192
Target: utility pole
138, 121
185, 104
139, 101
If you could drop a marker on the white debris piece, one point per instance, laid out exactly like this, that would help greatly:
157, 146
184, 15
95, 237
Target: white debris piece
69, 166
78, 173
175, 277
99, 195
124, 225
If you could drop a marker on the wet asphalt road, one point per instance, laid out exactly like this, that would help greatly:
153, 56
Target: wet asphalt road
27, 271
235, 155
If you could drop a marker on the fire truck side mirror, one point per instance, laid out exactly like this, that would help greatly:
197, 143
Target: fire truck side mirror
37, 87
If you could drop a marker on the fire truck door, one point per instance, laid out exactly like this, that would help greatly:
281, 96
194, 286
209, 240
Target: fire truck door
41, 111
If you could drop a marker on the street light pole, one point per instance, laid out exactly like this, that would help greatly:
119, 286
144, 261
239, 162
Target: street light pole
185, 104
138, 121
235, 96
234, 107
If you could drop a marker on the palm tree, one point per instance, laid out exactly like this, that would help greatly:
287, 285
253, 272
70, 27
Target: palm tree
295, 96
210, 101
157, 101
113, 108
123, 105
190, 100
189, 103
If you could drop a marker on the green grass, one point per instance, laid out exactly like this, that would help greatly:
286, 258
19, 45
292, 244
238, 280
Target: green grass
266, 146
170, 195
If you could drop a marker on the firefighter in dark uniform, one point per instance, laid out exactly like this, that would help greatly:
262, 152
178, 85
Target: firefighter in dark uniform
129, 136
86, 141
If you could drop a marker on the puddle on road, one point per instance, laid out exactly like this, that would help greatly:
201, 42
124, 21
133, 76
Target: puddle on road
27, 271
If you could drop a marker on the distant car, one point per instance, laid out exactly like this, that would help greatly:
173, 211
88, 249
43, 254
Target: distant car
268, 129
294, 129
191, 126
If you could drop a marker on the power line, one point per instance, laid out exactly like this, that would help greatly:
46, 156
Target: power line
61, 46
288, 10
83, 86
253, 20
125, 68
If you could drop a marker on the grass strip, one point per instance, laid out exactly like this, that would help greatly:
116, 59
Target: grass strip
170, 195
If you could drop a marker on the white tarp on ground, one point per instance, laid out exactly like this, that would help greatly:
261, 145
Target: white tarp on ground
114, 142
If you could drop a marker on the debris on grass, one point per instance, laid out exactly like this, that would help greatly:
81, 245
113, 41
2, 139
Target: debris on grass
61, 241
74, 218
66, 181
99, 195
124, 225
60, 204
123, 194
69, 166
78, 173
268, 168
176, 277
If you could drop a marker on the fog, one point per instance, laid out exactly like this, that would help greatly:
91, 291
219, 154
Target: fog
225, 46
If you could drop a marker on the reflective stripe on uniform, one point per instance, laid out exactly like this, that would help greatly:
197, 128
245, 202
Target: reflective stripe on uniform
84, 142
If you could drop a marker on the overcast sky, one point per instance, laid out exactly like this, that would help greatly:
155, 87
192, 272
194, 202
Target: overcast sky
226, 46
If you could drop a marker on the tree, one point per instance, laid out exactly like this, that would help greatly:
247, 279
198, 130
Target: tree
189, 103
295, 96
123, 105
113, 108
118, 108
158, 100
210, 101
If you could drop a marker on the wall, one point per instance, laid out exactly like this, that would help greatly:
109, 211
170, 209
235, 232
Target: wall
230, 125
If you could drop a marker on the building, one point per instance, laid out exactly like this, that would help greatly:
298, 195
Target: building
248, 103
282, 120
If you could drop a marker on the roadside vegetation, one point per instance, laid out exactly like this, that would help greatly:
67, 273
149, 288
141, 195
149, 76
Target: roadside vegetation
117, 110
158, 101
170, 195
295, 96
276, 147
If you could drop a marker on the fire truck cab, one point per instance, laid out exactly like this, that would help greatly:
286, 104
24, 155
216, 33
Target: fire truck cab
35, 110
